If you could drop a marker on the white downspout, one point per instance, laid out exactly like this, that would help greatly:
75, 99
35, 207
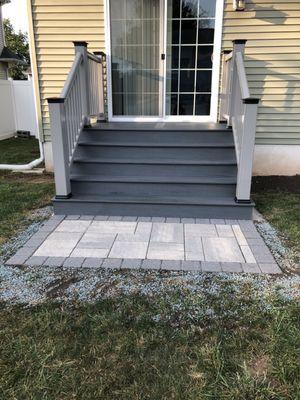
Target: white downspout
25, 167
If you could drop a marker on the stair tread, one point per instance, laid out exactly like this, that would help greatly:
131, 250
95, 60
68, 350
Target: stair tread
162, 161
155, 179
159, 127
182, 200
117, 143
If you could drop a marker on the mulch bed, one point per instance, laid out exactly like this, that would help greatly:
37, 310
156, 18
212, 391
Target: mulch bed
276, 183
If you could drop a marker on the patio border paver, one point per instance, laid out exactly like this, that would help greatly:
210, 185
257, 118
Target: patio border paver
242, 230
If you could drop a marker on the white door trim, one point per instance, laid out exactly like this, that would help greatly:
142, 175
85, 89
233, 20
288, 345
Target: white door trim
215, 87
213, 117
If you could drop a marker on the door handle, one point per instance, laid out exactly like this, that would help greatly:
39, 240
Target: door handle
163, 56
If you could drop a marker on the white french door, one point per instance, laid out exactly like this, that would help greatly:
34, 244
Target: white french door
163, 59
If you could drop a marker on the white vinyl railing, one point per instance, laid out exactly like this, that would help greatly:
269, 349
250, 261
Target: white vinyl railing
96, 85
240, 110
81, 99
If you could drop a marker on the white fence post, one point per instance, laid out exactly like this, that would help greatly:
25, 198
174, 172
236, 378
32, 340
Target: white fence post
60, 148
245, 162
81, 47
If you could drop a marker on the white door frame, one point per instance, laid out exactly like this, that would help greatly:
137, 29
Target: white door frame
213, 117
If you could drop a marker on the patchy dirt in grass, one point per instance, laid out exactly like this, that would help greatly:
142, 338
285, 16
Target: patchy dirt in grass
260, 366
57, 288
27, 177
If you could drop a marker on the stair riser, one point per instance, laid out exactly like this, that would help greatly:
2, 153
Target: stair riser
149, 153
159, 136
152, 210
152, 189
153, 170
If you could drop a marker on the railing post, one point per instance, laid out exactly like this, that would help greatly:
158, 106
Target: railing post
245, 162
81, 47
101, 116
60, 148
238, 46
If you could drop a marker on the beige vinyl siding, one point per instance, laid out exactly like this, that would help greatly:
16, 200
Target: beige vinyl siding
56, 24
272, 28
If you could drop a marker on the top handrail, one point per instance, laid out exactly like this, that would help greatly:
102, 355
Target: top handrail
70, 79
94, 58
228, 56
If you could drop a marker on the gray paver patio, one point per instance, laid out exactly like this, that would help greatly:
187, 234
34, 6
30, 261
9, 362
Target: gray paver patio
185, 244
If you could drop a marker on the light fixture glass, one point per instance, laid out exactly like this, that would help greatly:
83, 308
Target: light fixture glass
239, 5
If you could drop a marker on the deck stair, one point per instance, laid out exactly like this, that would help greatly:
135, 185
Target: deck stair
155, 169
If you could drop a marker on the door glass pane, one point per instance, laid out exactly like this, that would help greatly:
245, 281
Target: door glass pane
188, 31
204, 59
190, 25
207, 8
189, 9
187, 57
135, 51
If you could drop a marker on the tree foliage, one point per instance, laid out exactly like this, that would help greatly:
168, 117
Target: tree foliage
17, 42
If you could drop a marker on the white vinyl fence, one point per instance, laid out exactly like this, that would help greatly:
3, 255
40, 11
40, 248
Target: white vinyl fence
17, 108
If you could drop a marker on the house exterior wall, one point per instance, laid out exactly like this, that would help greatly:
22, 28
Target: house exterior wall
272, 28
56, 24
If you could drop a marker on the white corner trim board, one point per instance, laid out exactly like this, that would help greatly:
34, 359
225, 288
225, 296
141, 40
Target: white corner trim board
276, 160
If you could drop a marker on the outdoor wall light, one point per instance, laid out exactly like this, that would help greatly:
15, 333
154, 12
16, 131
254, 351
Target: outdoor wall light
239, 5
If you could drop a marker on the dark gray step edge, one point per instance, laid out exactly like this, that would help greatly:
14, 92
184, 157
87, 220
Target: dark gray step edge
151, 161
157, 130
155, 179
149, 144
188, 200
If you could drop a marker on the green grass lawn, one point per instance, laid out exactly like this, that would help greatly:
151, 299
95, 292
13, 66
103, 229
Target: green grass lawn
18, 150
282, 210
19, 195
139, 347
228, 342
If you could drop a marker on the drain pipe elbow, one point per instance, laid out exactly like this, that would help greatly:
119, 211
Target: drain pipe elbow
25, 167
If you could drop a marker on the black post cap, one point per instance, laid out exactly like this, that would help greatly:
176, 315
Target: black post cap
56, 100
84, 44
251, 100
239, 41
239, 201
